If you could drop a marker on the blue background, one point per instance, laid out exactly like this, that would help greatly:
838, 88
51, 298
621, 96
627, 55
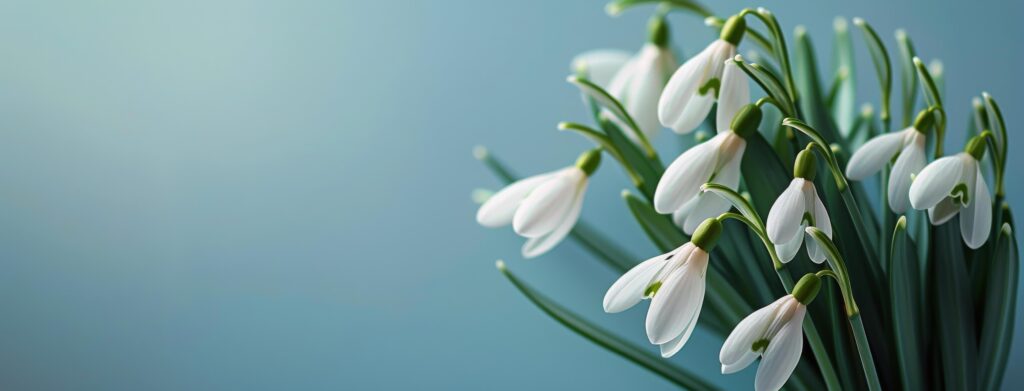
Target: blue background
275, 195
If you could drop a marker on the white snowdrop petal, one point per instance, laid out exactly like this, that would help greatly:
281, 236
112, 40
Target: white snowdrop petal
735, 94
935, 182
787, 212
874, 155
976, 218
546, 206
743, 336
708, 206
787, 250
601, 65
629, 289
814, 251
694, 113
909, 163
498, 210
680, 215
782, 355
682, 87
740, 364
683, 178
535, 247
943, 211
642, 93
672, 347
677, 301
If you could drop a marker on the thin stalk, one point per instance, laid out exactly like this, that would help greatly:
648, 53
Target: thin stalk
864, 351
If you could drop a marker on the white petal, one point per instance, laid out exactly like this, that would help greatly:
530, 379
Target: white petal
943, 211
672, 347
822, 222
535, 247
499, 209
874, 155
679, 216
735, 94
712, 205
601, 65
749, 330
788, 211
677, 304
694, 113
909, 163
546, 206
787, 250
683, 178
740, 364
641, 94
629, 289
936, 181
682, 88
976, 218
782, 355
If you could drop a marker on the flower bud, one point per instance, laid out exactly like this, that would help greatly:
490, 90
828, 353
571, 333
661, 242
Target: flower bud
976, 146
658, 33
589, 161
925, 120
707, 233
806, 165
807, 288
746, 120
732, 31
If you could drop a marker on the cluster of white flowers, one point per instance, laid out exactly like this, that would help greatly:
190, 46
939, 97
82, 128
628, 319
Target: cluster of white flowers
544, 208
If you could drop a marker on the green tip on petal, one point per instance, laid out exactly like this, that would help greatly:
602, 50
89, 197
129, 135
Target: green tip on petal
925, 120
746, 121
807, 288
658, 31
806, 165
707, 233
589, 161
732, 31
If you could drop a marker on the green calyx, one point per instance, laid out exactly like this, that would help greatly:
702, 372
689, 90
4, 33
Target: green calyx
589, 161
746, 121
806, 165
976, 147
707, 233
732, 31
807, 288
925, 120
658, 33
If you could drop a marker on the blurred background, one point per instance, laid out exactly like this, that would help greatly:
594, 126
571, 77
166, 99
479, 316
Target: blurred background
275, 194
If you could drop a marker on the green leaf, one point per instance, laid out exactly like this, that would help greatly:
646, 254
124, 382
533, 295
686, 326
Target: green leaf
905, 289
649, 170
1000, 310
934, 99
665, 235
908, 78
606, 339
954, 310
844, 109
812, 99
763, 173
607, 101
616, 7
883, 67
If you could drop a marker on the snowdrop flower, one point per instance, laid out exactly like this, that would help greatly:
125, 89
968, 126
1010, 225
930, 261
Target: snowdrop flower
693, 88
774, 333
797, 208
675, 284
716, 160
955, 184
601, 65
639, 83
542, 208
907, 145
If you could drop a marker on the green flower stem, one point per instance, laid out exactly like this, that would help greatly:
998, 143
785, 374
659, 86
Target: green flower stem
604, 142
932, 96
757, 37
864, 351
781, 53
995, 120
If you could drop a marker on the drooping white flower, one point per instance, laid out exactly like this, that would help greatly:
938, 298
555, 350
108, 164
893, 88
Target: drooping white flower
600, 65
695, 86
908, 146
955, 184
638, 84
716, 160
774, 333
797, 208
675, 284
542, 208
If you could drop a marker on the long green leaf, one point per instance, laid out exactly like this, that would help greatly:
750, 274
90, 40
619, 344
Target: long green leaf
665, 235
1000, 311
883, 67
954, 312
844, 109
607, 101
908, 77
905, 290
763, 173
770, 84
606, 339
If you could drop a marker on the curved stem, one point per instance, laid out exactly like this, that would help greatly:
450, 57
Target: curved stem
781, 53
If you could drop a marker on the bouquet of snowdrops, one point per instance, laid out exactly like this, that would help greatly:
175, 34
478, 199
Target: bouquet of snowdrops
908, 274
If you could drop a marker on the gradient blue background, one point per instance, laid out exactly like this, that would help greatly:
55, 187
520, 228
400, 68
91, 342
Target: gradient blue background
275, 195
